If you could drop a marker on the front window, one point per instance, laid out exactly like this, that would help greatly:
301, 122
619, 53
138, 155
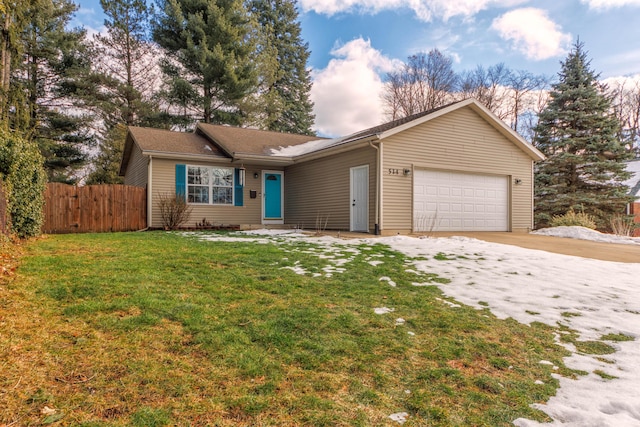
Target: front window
210, 185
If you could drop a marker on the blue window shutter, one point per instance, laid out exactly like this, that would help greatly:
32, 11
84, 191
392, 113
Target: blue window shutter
181, 180
238, 189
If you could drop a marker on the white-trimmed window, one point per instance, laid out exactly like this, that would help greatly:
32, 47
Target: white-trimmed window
210, 185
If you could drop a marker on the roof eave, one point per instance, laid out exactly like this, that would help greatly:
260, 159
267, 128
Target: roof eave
185, 156
500, 126
262, 159
126, 154
336, 149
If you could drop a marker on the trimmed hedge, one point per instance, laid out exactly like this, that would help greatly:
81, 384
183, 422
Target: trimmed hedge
21, 169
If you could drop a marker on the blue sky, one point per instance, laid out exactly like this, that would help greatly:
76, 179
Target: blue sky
354, 43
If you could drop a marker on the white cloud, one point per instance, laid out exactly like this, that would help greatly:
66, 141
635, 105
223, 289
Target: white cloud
347, 92
425, 10
610, 4
532, 32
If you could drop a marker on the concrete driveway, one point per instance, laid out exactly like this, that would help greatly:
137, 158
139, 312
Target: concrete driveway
582, 248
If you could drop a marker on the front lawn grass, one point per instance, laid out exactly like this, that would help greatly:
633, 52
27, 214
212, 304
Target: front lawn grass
155, 329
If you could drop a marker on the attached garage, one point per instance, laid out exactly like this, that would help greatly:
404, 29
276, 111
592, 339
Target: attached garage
455, 201
454, 168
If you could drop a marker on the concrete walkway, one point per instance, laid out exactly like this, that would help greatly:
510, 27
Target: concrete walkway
582, 248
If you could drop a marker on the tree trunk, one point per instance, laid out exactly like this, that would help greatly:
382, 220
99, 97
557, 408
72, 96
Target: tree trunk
5, 65
207, 105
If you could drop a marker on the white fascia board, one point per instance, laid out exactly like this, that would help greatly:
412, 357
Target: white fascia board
258, 159
183, 156
336, 149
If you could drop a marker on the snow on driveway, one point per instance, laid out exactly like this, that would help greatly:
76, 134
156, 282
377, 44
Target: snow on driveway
596, 298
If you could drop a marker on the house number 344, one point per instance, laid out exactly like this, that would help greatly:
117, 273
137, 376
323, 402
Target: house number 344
394, 171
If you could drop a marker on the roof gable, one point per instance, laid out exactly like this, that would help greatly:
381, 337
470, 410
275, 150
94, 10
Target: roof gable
235, 140
391, 128
166, 142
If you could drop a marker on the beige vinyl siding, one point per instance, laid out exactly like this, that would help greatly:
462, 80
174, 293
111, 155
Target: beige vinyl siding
164, 183
459, 141
320, 189
137, 169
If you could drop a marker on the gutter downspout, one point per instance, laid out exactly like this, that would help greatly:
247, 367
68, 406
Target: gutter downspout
378, 169
150, 193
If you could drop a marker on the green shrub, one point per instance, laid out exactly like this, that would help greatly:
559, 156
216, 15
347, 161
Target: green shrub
21, 169
572, 218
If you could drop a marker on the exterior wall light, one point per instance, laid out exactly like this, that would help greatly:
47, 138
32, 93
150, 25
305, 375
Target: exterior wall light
255, 175
518, 181
406, 172
241, 175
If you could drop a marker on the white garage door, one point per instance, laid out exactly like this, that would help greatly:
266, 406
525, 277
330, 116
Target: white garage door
451, 201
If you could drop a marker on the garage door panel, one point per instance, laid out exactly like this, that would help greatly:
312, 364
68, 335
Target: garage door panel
460, 201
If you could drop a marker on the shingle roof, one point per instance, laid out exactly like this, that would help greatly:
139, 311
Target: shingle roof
166, 141
251, 141
231, 142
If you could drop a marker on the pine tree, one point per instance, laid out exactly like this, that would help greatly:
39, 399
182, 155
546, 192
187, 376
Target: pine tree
127, 78
106, 164
12, 21
125, 58
577, 132
209, 51
49, 81
285, 80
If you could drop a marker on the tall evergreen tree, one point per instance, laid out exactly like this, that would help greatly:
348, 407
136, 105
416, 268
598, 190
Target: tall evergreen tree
284, 77
106, 164
12, 22
51, 77
126, 59
577, 132
127, 74
209, 48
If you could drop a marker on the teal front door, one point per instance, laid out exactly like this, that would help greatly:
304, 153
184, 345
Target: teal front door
273, 205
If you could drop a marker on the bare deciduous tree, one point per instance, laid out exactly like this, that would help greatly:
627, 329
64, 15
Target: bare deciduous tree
523, 87
625, 94
424, 82
488, 86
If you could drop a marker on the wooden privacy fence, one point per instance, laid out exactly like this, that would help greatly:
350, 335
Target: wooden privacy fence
94, 208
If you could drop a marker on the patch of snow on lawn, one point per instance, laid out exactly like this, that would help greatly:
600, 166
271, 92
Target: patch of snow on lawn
399, 417
297, 269
537, 286
449, 303
584, 233
274, 232
518, 283
388, 280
